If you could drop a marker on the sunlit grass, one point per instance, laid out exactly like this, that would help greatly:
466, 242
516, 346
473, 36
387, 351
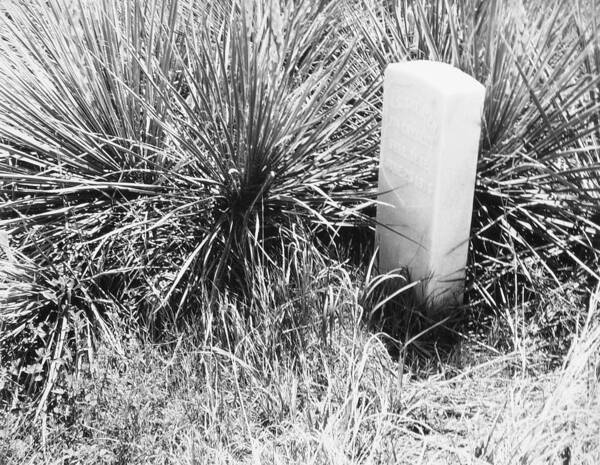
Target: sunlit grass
343, 401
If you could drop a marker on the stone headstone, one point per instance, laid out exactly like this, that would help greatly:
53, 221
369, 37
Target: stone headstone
430, 139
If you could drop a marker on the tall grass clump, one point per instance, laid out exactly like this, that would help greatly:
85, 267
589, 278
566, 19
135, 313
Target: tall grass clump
150, 150
535, 218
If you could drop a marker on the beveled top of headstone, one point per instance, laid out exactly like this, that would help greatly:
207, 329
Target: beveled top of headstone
444, 77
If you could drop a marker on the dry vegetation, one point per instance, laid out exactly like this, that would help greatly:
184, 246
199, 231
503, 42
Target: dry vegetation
343, 400
186, 255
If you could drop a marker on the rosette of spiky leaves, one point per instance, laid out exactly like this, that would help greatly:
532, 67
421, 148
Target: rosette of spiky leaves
154, 156
84, 160
536, 207
273, 118
78, 116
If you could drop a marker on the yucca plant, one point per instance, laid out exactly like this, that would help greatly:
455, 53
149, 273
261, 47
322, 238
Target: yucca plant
148, 154
273, 119
80, 157
538, 172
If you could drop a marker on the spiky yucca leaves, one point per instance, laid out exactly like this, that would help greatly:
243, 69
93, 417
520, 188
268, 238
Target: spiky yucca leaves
80, 145
536, 201
148, 158
80, 159
273, 117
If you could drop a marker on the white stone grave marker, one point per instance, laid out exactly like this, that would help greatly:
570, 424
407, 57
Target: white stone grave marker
430, 139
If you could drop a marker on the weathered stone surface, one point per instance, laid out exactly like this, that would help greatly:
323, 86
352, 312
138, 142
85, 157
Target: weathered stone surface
430, 139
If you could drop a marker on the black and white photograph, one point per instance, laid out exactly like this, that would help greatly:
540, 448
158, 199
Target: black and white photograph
299, 232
